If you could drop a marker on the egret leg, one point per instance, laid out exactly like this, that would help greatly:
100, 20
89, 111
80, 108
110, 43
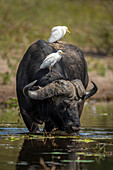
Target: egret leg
50, 69
60, 74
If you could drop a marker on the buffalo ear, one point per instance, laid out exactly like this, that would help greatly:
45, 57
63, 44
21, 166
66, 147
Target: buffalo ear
80, 90
91, 92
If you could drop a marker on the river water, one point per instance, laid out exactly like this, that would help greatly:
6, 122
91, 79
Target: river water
91, 149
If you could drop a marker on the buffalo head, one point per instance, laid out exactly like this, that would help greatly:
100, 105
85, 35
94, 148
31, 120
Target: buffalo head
67, 101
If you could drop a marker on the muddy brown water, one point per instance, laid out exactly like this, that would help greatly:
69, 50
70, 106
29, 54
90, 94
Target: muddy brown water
91, 149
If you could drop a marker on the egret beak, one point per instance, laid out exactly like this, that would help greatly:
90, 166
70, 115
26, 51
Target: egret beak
68, 31
63, 53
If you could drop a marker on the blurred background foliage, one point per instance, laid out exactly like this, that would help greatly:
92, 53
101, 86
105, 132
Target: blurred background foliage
23, 22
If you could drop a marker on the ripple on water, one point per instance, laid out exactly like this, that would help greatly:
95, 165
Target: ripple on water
93, 132
12, 131
97, 133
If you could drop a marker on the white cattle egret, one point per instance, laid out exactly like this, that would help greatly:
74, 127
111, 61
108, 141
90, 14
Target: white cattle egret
51, 59
57, 33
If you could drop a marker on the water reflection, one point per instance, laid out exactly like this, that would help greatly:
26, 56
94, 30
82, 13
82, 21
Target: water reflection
65, 154
51, 153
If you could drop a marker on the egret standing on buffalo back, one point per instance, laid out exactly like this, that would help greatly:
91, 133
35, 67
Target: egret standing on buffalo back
51, 59
57, 33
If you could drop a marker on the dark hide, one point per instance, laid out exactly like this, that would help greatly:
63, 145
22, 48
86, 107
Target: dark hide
72, 66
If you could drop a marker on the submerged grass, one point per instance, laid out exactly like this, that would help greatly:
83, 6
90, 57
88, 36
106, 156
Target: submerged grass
88, 148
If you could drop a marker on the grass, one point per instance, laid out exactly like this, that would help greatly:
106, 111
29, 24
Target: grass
24, 22
5, 78
99, 65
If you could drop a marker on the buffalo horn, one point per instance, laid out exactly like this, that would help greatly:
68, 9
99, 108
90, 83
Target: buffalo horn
59, 88
27, 87
91, 92
56, 88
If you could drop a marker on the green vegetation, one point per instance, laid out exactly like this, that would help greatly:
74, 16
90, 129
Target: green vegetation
99, 65
10, 115
12, 103
5, 78
24, 22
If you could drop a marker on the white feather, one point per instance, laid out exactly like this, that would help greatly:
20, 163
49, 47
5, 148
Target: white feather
57, 33
51, 59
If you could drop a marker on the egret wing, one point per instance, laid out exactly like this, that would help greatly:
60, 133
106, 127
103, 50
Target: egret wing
55, 36
50, 57
55, 28
48, 61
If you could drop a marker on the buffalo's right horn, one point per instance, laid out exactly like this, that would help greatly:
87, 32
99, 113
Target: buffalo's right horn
56, 88
27, 87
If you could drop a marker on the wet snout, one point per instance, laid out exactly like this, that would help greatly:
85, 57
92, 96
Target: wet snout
74, 126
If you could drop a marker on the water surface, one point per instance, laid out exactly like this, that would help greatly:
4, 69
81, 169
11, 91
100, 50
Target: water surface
91, 149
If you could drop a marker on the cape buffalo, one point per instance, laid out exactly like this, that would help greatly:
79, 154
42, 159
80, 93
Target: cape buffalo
55, 97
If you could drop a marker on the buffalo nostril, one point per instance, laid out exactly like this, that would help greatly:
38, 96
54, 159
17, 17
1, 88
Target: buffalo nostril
75, 128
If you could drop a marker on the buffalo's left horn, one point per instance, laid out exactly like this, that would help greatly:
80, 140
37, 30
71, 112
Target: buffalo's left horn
91, 92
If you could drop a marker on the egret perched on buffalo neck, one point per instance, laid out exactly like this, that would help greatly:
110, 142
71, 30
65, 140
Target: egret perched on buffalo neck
57, 33
51, 59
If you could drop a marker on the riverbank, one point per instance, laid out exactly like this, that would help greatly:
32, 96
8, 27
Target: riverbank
104, 83
100, 70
